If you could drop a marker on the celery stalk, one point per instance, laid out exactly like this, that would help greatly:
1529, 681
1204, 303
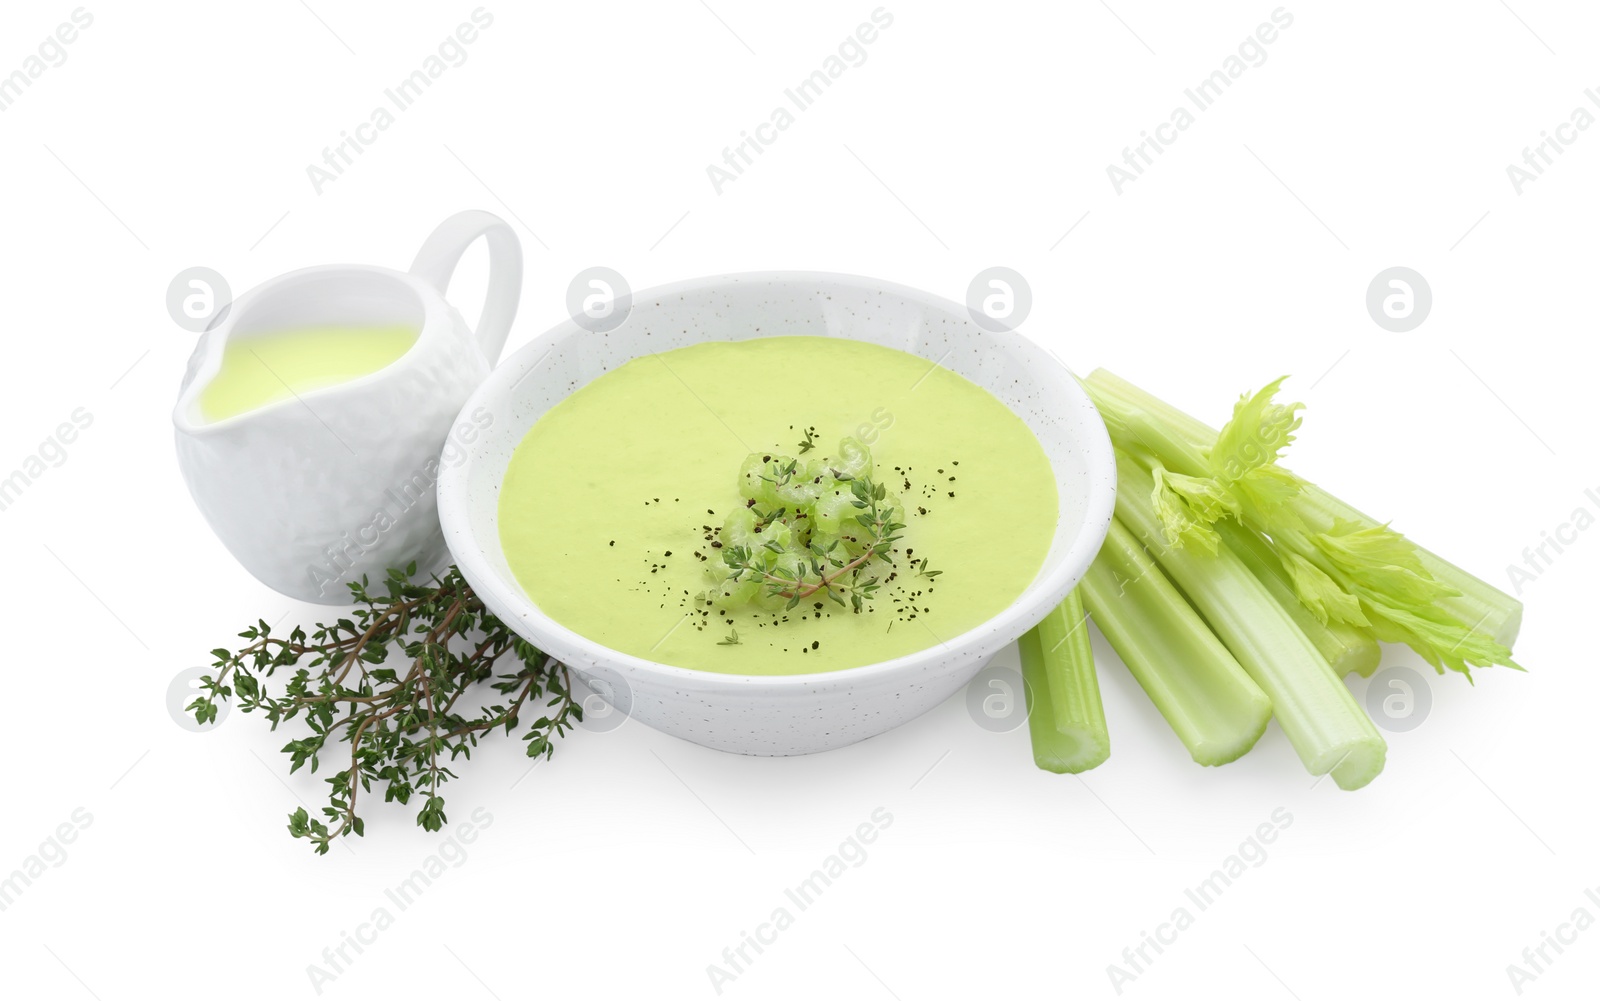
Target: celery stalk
1130, 399
1491, 609
1346, 648
1328, 729
1180, 442
1065, 719
1206, 697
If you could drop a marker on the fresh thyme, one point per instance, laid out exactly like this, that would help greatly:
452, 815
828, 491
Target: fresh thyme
783, 473
401, 723
810, 441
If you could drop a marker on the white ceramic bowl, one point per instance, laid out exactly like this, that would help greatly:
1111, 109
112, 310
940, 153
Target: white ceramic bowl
790, 714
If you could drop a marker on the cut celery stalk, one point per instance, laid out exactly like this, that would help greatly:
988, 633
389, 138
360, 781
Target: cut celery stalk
1180, 442
1065, 719
1327, 728
1206, 697
1346, 648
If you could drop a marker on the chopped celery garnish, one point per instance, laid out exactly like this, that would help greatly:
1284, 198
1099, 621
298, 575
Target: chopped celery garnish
1328, 729
1346, 648
1206, 697
1344, 566
1065, 719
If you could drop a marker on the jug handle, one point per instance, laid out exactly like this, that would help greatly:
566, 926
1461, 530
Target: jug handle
442, 251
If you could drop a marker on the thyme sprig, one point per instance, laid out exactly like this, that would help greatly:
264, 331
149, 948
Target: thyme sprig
401, 723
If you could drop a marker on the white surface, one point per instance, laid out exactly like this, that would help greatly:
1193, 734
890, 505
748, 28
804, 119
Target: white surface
797, 713
631, 860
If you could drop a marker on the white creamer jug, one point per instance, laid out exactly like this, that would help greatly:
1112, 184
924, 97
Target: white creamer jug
322, 487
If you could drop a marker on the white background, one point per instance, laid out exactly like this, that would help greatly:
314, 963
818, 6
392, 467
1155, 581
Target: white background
974, 135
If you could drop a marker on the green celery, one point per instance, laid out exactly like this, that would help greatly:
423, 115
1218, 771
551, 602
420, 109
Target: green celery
1346, 648
1129, 398
1206, 697
1327, 728
1494, 611
1065, 719
1452, 618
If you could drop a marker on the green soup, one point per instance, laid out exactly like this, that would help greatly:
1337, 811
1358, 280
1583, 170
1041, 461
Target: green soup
262, 369
613, 500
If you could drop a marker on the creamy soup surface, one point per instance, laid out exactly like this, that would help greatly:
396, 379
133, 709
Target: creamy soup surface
612, 501
265, 368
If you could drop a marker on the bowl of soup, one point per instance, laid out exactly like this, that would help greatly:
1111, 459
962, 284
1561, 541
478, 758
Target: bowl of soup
599, 506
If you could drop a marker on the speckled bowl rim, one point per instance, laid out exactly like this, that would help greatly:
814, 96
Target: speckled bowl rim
1042, 594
